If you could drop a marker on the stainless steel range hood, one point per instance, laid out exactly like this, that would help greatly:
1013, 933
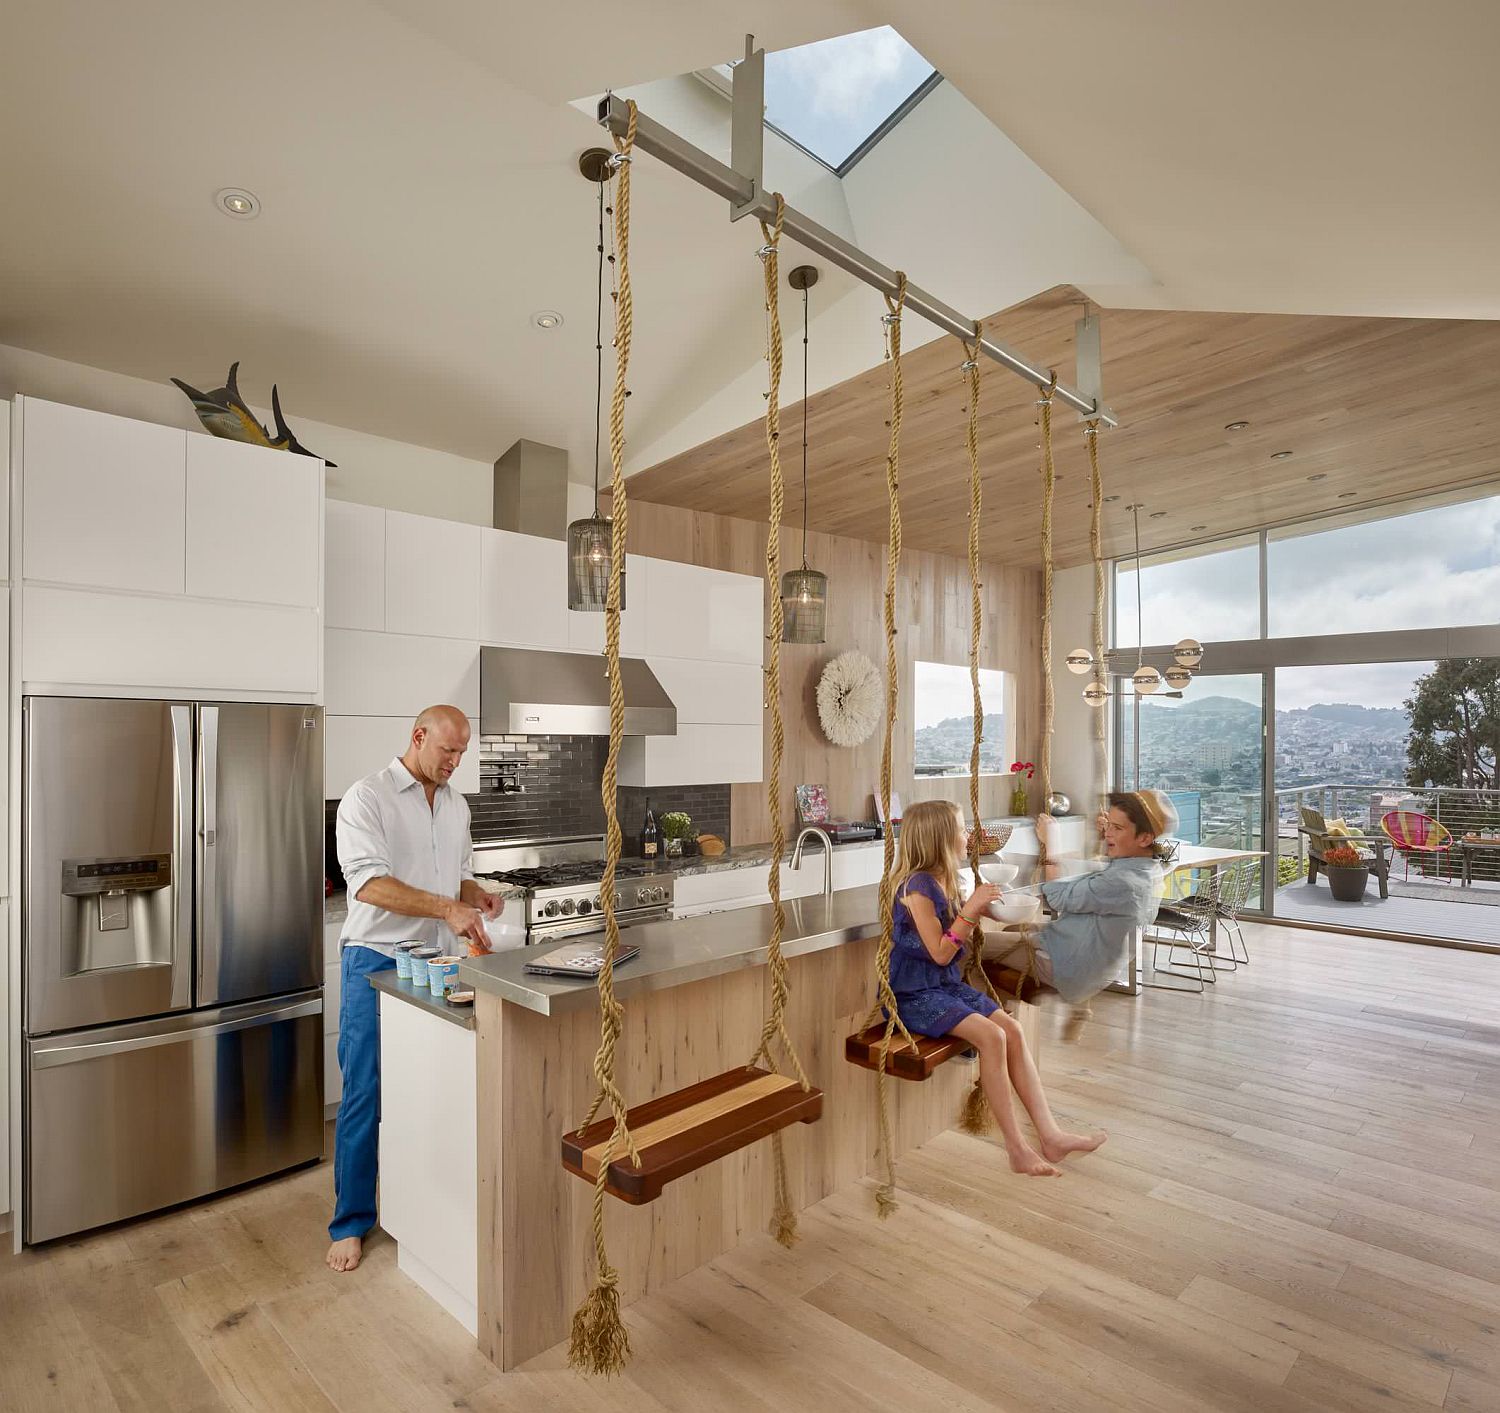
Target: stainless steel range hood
534, 692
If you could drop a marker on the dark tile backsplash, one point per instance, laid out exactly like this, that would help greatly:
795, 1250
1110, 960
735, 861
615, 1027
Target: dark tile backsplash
547, 787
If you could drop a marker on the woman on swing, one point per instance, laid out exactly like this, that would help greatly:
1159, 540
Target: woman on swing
932, 926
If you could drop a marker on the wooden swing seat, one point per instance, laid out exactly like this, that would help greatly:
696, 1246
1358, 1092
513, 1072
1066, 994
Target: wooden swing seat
681, 1132
1007, 982
932, 1050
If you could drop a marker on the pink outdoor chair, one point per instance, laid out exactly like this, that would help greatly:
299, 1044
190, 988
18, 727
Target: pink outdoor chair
1413, 833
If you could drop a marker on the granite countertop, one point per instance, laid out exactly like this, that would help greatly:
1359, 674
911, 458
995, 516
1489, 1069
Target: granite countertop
422, 998
682, 950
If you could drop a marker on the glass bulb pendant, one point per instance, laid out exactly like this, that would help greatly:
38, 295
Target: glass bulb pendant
1147, 680
1177, 677
804, 606
1096, 693
588, 565
1079, 661
1189, 652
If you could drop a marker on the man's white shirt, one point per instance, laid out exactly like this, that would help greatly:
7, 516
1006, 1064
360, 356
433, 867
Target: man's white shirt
385, 829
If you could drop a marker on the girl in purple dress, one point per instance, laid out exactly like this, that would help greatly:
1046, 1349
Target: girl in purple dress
932, 926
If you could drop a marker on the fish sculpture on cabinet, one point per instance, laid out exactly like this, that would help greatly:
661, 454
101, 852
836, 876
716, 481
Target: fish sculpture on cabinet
224, 413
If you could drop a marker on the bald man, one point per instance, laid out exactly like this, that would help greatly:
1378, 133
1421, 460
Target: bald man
404, 847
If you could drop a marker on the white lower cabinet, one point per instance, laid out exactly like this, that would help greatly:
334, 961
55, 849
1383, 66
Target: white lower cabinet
357, 746
697, 755
723, 889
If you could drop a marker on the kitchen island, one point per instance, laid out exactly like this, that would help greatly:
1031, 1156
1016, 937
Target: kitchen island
694, 1000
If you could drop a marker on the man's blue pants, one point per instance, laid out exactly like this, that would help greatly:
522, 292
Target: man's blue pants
356, 1137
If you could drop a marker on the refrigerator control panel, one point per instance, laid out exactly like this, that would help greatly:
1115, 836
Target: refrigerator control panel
84, 877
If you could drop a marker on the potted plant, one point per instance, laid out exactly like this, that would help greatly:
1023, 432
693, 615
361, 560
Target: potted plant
1020, 806
677, 828
1347, 873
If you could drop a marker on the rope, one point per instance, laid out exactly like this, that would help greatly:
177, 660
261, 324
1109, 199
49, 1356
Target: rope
600, 1343
1049, 483
1096, 548
885, 999
784, 1218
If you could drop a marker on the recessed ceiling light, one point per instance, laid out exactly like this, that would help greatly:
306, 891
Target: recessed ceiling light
1281, 456
1320, 476
1110, 500
1235, 426
1347, 495
237, 202
547, 319
1158, 514
1196, 528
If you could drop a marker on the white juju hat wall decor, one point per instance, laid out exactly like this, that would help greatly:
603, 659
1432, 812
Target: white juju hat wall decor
850, 698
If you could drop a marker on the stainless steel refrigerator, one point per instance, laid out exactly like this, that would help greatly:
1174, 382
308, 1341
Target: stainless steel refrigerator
172, 920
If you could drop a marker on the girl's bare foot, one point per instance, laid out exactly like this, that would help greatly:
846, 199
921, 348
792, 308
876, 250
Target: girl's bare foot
344, 1255
1058, 1148
1029, 1163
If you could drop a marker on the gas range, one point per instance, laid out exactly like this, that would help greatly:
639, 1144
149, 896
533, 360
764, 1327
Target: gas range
560, 886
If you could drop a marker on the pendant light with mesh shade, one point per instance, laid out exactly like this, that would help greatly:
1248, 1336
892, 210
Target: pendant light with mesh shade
804, 591
589, 549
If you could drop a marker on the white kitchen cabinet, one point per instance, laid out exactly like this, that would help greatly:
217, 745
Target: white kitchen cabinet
354, 565
431, 576
104, 499
586, 630
392, 674
523, 590
357, 746
5, 424
254, 523
712, 693
168, 645
696, 755
708, 614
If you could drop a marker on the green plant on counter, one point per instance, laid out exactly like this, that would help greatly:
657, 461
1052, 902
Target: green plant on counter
677, 825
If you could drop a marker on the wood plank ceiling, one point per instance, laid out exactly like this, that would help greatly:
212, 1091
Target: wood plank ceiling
1373, 410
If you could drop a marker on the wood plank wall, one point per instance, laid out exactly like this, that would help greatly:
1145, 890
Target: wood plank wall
932, 619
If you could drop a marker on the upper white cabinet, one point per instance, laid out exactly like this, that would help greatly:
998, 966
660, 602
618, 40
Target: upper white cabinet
391, 674
712, 693
254, 523
703, 613
523, 590
696, 755
586, 630
354, 571
431, 576
4, 499
357, 746
104, 499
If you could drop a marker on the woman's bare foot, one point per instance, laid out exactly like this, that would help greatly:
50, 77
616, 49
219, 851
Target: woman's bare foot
344, 1254
1058, 1148
1029, 1163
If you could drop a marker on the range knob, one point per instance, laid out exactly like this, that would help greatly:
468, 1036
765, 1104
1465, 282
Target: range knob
598, 901
549, 909
619, 898
643, 895
567, 907
584, 907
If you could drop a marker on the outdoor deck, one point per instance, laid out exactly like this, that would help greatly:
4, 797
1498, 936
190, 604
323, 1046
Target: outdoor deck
1427, 909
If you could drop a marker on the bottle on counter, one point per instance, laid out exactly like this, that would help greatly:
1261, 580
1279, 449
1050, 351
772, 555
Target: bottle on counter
650, 835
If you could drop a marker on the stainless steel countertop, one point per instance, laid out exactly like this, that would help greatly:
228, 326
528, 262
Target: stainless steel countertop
676, 952
422, 998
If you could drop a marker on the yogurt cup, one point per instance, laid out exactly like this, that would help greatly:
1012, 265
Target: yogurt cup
420, 957
442, 975
403, 959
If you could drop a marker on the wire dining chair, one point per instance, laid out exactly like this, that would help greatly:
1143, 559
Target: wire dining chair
1187, 923
1235, 887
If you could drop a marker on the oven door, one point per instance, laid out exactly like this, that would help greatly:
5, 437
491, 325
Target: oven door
594, 922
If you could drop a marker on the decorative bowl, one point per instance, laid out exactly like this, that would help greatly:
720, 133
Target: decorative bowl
1016, 910
999, 872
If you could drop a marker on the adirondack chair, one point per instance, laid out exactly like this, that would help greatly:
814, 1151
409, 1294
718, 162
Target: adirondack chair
1315, 827
1412, 832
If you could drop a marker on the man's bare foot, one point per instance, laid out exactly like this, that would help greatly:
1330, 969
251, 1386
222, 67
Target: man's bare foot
344, 1254
1029, 1163
1058, 1148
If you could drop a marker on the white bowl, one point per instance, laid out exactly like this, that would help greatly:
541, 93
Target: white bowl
1017, 909
999, 872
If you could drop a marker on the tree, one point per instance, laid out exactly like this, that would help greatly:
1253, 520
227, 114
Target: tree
1454, 737
1212, 779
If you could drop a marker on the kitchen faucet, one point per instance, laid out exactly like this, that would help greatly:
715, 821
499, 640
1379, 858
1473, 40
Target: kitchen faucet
827, 854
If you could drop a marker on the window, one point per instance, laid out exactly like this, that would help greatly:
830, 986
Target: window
1213, 597
1437, 567
943, 721
832, 97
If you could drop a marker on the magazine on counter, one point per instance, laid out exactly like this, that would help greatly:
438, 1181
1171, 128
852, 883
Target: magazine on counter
585, 959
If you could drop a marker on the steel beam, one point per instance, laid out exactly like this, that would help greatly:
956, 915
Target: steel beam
745, 199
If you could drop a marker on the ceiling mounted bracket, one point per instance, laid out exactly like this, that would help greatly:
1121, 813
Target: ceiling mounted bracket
747, 133
1088, 362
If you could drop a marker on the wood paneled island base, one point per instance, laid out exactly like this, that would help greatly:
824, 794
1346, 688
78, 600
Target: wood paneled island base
536, 1081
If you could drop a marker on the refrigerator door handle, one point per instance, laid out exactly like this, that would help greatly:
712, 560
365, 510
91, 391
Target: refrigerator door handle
182, 850
44, 1057
209, 940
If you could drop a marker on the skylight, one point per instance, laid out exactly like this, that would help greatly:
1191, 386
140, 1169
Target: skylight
832, 97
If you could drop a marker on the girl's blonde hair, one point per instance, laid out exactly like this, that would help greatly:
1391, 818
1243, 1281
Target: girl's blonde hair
930, 830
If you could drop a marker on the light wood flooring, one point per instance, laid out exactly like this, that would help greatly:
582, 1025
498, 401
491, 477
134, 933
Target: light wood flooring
1298, 1208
